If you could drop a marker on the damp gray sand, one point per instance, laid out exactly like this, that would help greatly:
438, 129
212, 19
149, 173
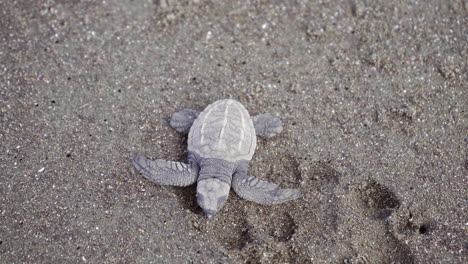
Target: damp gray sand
372, 95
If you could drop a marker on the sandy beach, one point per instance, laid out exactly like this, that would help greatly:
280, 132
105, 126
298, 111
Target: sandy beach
372, 95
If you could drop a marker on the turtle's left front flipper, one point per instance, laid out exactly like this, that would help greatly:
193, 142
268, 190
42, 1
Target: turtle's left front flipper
167, 172
262, 192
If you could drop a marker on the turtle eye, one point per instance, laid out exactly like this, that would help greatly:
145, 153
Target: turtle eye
221, 201
200, 198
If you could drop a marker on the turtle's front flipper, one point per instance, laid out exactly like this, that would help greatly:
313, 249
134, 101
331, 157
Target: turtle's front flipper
262, 192
167, 172
182, 121
267, 125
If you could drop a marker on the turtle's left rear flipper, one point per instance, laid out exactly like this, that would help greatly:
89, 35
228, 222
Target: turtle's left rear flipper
267, 125
167, 172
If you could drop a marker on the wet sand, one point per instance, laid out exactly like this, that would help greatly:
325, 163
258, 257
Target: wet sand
372, 95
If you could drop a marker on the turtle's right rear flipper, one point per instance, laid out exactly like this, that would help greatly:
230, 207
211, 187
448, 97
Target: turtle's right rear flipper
182, 121
166, 172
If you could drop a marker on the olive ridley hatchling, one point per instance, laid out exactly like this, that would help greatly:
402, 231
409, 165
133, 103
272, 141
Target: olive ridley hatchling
221, 142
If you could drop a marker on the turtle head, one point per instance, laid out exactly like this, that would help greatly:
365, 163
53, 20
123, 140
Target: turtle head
212, 195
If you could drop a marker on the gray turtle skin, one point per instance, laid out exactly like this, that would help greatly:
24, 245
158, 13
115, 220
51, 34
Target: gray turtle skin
221, 142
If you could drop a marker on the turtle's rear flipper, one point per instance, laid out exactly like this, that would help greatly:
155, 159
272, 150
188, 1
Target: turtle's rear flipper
182, 121
262, 192
267, 125
167, 172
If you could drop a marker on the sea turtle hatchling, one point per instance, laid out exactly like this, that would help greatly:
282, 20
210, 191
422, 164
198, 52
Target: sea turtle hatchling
221, 142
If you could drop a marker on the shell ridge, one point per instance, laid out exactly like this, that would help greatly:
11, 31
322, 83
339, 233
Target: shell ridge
241, 137
223, 130
202, 129
225, 120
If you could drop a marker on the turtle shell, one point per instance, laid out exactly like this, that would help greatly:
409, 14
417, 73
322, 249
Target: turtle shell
224, 130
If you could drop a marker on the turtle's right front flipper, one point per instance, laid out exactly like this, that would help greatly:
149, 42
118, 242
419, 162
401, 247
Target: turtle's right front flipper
167, 172
182, 121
